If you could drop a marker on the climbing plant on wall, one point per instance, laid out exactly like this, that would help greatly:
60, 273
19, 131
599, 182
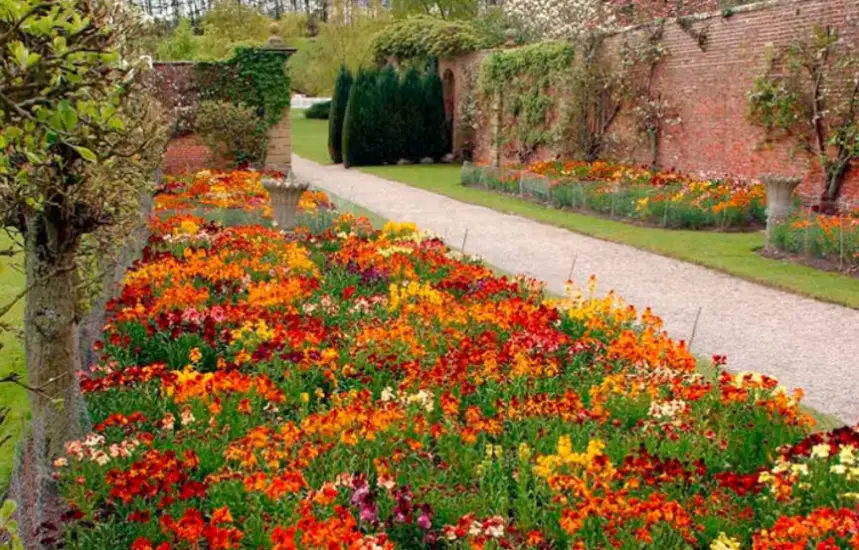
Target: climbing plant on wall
253, 76
651, 111
810, 94
568, 95
521, 83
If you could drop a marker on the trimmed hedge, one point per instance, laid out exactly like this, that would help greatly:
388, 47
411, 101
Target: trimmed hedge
338, 114
320, 110
388, 119
363, 127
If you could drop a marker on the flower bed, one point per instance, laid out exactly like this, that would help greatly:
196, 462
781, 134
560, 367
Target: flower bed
833, 238
344, 388
664, 199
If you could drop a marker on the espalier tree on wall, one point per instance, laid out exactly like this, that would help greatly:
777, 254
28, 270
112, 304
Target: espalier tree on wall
810, 95
80, 138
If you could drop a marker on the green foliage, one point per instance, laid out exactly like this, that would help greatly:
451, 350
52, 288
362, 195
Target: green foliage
527, 77
338, 113
90, 110
388, 119
435, 128
363, 127
446, 9
810, 93
253, 76
395, 135
422, 37
232, 131
320, 110
180, 45
315, 66
9, 527
412, 117
225, 26
516, 67
774, 106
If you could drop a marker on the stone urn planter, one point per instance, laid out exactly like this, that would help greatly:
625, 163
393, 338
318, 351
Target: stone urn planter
779, 199
285, 194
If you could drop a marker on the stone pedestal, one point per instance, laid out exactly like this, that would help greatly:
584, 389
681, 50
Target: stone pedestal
779, 199
285, 195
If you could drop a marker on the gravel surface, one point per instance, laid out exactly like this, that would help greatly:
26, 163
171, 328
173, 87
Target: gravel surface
757, 328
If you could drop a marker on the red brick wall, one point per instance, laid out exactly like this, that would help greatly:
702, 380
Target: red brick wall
708, 90
186, 154
177, 91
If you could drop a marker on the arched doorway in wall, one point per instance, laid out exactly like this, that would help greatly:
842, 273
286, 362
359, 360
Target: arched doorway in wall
449, 87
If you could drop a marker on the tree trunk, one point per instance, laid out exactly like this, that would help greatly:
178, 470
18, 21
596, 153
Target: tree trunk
51, 345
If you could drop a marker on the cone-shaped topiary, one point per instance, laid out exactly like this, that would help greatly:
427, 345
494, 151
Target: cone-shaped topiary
363, 126
390, 100
435, 124
338, 113
412, 99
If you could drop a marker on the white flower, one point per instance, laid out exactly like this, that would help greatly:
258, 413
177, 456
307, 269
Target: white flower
820, 451
799, 469
387, 394
839, 469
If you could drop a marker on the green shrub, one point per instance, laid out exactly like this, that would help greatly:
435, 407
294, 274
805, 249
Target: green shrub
412, 97
338, 113
394, 133
435, 123
233, 131
320, 110
363, 143
423, 36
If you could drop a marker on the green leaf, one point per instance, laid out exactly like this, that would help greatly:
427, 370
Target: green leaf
7, 510
69, 117
85, 153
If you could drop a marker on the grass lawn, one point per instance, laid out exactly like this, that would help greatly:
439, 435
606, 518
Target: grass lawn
309, 137
11, 360
732, 253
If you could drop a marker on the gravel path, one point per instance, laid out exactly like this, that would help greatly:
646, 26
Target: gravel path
758, 328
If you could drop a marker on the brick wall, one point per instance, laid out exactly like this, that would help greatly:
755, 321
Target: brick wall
708, 90
177, 91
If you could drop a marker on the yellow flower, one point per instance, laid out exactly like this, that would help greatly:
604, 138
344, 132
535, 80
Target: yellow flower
195, 355
524, 452
724, 542
305, 397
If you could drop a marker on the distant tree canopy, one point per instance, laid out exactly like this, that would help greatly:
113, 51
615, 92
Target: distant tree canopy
331, 33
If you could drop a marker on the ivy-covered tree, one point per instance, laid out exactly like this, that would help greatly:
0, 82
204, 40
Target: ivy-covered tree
338, 114
390, 99
363, 136
435, 123
78, 138
412, 96
811, 96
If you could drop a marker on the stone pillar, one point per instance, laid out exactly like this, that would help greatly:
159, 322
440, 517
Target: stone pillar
779, 199
278, 155
285, 194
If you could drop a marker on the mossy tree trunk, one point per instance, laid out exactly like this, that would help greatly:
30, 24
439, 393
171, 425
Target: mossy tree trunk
51, 344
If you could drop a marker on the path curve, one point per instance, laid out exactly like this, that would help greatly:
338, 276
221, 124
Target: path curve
803, 342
